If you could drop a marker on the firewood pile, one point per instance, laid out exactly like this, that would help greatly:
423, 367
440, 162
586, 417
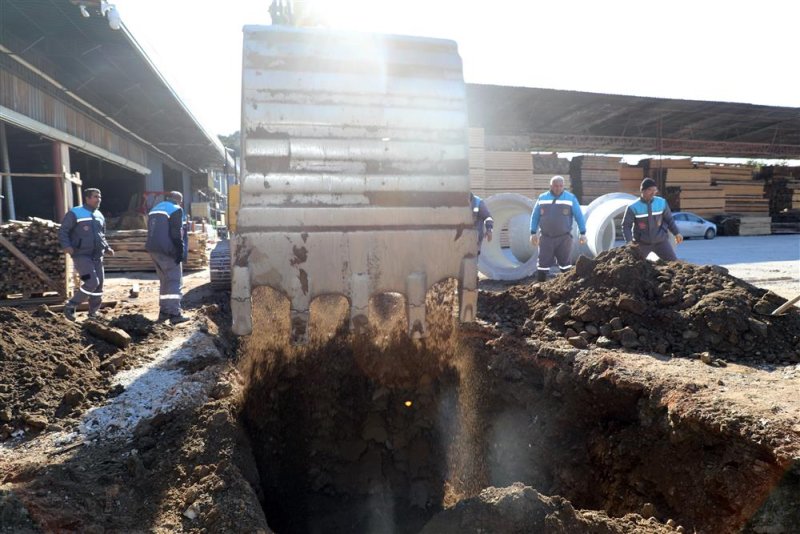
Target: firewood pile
37, 241
130, 253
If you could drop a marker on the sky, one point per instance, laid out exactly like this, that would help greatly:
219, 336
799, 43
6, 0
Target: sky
729, 50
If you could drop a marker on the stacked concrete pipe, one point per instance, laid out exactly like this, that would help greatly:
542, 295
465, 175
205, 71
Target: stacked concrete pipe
519, 261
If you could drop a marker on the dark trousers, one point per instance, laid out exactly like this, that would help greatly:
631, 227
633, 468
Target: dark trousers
558, 249
170, 276
92, 276
663, 250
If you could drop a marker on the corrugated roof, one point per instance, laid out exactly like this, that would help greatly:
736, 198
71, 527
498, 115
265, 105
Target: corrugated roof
107, 69
572, 121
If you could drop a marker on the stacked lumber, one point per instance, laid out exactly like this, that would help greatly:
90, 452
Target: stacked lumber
37, 241
744, 195
749, 225
594, 176
696, 194
509, 172
630, 178
130, 253
704, 201
477, 161
545, 166
782, 188
676, 177
654, 166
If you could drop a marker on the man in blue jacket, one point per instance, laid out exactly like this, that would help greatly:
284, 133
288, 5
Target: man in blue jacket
165, 243
83, 236
484, 224
553, 215
646, 221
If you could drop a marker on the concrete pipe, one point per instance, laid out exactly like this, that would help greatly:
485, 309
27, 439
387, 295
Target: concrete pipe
600, 229
519, 261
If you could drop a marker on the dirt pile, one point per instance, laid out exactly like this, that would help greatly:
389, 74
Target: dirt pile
670, 308
520, 508
49, 370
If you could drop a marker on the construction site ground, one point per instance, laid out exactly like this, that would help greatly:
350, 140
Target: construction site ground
621, 397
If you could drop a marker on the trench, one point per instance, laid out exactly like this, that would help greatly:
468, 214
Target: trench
381, 433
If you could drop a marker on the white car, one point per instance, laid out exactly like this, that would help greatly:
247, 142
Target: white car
691, 225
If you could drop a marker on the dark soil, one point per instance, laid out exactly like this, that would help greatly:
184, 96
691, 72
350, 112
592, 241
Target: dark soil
624, 397
670, 308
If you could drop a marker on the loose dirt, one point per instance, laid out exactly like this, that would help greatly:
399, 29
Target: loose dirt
622, 397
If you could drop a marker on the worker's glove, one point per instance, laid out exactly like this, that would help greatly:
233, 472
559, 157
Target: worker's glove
582, 239
678, 239
110, 251
179, 259
535, 240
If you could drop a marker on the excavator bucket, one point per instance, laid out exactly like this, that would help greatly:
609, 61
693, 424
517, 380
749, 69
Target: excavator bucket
355, 173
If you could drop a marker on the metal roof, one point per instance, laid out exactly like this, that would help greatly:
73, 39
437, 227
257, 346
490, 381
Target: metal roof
108, 70
521, 118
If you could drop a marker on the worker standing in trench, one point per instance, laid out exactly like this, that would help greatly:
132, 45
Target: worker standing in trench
165, 243
83, 236
553, 214
646, 221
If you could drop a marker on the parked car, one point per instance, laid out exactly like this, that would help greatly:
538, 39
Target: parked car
691, 225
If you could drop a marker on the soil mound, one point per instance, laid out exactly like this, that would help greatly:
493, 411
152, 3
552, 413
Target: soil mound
51, 369
672, 308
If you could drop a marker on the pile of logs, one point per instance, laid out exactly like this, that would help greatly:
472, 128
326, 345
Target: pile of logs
31, 260
130, 254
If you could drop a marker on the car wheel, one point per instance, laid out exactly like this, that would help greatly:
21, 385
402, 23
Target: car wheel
710, 233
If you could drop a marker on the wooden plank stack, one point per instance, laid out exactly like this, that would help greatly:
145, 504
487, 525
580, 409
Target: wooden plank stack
509, 172
477, 161
545, 166
743, 194
38, 241
630, 178
696, 192
594, 176
130, 254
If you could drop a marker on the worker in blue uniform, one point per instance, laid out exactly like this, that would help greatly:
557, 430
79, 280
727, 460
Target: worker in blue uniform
482, 218
646, 222
82, 236
552, 216
166, 244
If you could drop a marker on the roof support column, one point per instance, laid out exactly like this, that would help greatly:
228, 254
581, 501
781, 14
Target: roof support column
61, 167
8, 189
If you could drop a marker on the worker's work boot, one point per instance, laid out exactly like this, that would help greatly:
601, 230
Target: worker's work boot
178, 319
69, 312
541, 276
162, 316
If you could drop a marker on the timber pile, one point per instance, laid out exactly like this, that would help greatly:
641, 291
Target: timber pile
594, 176
38, 241
696, 194
750, 225
130, 254
630, 178
477, 161
545, 166
509, 172
782, 188
743, 194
